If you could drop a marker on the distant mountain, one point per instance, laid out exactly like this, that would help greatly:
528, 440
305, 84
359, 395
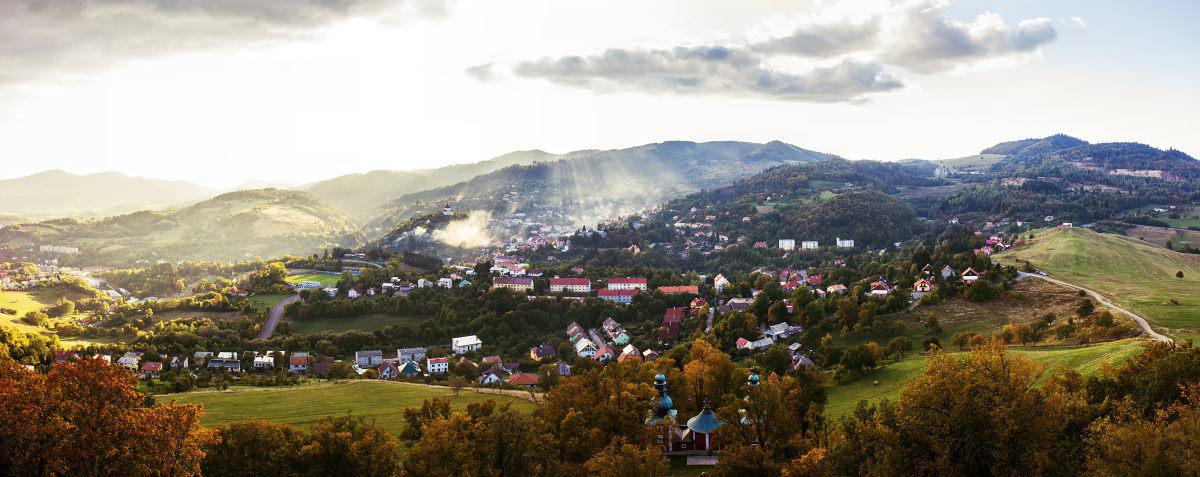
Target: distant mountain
267, 222
1033, 146
60, 193
587, 187
363, 195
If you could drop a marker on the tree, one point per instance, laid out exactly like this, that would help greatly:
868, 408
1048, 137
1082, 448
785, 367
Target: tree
86, 418
349, 445
1179, 274
621, 459
255, 448
740, 460
899, 346
709, 374
1085, 308
1169, 444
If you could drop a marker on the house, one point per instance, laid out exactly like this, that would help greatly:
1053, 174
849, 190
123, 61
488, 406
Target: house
387, 370
527, 380
604, 354
322, 367
838, 288
760, 245
230, 365
491, 376
743, 343
584, 348
720, 283
513, 283
809, 245
368, 359
627, 283
617, 296
264, 362
151, 369
492, 360
849, 243
410, 369
298, 363
129, 362
227, 355
61, 357
445, 283
948, 272
200, 356
178, 362
739, 304
410, 354
680, 290
787, 244
927, 269
922, 286
465, 344
778, 331
570, 285
538, 353
649, 355
437, 365
970, 275
628, 353
880, 288
423, 283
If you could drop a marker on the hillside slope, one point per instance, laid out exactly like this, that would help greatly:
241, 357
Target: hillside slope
1132, 273
60, 193
266, 222
596, 185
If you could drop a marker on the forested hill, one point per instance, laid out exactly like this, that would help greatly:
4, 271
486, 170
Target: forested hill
601, 184
819, 201
1034, 146
266, 223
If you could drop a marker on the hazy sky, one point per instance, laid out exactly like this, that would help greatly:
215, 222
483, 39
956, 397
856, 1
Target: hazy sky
224, 91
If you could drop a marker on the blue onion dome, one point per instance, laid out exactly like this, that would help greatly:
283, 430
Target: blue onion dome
752, 380
705, 423
660, 379
665, 402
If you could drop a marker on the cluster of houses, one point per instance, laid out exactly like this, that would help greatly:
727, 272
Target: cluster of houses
415, 362
790, 244
590, 343
617, 290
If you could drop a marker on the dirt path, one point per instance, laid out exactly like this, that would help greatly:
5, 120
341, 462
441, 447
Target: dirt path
1141, 322
274, 317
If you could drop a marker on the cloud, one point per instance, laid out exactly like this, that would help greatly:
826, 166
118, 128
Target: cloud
824, 39
1079, 21
708, 70
60, 37
923, 40
913, 35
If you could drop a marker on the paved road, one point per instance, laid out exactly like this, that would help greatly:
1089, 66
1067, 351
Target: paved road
1141, 322
274, 317
363, 262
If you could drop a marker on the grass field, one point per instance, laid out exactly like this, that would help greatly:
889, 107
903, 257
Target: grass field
26, 301
364, 323
381, 401
265, 302
325, 279
1129, 272
1085, 359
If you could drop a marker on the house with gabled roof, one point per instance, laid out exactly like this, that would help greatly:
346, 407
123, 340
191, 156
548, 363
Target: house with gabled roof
627, 283
438, 365
970, 275
604, 353
528, 380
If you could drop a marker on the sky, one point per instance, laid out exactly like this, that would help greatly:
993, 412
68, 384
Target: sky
227, 91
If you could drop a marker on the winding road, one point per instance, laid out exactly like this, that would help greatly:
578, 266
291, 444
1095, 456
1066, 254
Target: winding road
1141, 322
274, 317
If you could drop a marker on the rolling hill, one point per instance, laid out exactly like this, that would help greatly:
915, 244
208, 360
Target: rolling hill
60, 193
592, 186
266, 222
1132, 273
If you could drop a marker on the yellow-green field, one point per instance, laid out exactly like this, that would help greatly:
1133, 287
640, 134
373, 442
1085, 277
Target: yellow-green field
265, 302
26, 301
363, 323
885, 382
325, 279
1131, 273
381, 401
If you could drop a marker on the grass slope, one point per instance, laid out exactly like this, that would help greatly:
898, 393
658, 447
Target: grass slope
382, 401
1085, 359
1129, 272
362, 323
325, 279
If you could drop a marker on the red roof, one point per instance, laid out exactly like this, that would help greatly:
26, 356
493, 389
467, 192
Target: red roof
512, 281
439, 360
298, 360
152, 366
686, 289
570, 281
607, 292
627, 280
673, 314
523, 379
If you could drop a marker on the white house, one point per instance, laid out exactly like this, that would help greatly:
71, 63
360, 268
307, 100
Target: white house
627, 283
437, 365
410, 354
584, 348
445, 282
515, 283
423, 283
368, 359
720, 282
848, 243
264, 361
970, 275
570, 285
787, 244
465, 344
809, 245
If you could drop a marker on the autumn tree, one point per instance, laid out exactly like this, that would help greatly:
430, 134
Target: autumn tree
350, 445
255, 448
622, 459
1128, 444
709, 375
782, 415
586, 411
